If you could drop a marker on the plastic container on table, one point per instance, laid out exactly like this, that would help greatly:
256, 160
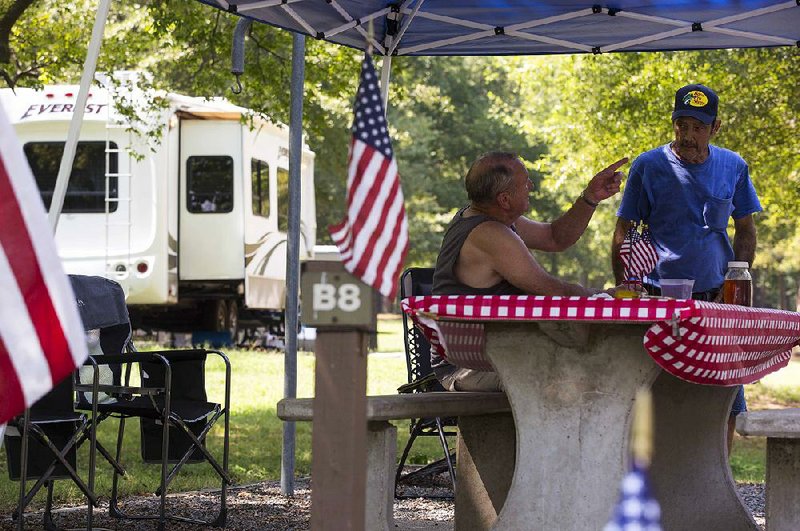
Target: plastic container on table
738, 285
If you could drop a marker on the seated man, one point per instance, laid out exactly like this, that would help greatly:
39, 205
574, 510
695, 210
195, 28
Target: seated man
486, 248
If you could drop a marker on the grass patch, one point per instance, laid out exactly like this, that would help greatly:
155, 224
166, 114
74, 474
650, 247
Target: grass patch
256, 433
390, 333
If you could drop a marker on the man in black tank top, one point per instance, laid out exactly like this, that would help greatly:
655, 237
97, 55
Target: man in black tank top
486, 248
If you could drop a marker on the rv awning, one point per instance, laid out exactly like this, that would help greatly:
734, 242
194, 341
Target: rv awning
519, 27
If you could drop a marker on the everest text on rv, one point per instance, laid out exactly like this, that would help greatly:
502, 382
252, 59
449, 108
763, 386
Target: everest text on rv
52, 108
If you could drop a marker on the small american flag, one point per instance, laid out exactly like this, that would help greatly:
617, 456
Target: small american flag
373, 236
638, 253
636, 508
41, 336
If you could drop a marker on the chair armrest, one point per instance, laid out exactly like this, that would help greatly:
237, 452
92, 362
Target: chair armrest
184, 355
420, 384
120, 391
134, 357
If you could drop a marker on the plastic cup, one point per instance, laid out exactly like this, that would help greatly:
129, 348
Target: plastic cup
677, 288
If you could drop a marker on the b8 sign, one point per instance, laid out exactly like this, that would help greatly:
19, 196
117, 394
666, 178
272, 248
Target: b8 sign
333, 297
328, 297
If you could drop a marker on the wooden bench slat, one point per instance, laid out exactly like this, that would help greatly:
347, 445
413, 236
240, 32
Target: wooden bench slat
408, 406
776, 423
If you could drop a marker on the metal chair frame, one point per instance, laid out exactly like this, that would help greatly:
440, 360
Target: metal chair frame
158, 402
51, 409
413, 282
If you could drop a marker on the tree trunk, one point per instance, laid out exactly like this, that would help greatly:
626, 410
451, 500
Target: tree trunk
7, 21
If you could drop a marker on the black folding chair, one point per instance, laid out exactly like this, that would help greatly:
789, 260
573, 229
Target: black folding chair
175, 419
101, 303
42, 444
417, 281
170, 401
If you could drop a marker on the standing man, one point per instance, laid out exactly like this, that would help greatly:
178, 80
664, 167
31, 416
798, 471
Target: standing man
486, 248
686, 191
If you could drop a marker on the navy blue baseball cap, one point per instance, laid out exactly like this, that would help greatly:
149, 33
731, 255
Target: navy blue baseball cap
697, 101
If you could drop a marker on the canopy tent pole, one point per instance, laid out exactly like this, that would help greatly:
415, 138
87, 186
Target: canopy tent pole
71, 144
293, 255
386, 69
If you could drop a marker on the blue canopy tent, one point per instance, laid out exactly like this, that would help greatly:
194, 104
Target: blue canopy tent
500, 27
508, 27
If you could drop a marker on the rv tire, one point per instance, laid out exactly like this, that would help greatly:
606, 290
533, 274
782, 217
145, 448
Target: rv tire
232, 320
216, 315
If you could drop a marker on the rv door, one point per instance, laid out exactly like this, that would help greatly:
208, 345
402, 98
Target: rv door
211, 223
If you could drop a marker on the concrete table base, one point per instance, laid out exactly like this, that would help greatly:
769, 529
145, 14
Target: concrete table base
783, 484
781, 427
571, 387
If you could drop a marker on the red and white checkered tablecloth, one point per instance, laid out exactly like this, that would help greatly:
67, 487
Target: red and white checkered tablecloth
701, 342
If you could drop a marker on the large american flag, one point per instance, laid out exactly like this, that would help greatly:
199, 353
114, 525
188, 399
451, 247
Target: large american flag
373, 236
41, 336
638, 253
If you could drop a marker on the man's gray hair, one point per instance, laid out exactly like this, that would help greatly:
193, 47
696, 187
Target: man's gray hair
490, 174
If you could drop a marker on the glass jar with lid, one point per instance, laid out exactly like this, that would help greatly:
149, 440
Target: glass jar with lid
738, 285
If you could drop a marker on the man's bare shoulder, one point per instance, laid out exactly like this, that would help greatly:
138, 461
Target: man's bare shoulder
492, 234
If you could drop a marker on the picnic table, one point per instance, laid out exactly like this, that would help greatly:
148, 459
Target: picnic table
571, 367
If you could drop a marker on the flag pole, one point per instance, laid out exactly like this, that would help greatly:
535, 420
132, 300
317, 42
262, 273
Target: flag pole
70, 146
642, 432
636, 506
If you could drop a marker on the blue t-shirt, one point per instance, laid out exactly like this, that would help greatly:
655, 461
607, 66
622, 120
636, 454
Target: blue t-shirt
687, 207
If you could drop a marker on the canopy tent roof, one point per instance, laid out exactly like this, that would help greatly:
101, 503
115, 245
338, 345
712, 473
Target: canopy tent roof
519, 27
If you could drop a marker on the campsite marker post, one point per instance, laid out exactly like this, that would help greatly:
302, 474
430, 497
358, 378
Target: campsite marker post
340, 307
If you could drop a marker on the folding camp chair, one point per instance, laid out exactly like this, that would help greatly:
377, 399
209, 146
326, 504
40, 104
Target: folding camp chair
170, 401
413, 282
42, 444
55, 430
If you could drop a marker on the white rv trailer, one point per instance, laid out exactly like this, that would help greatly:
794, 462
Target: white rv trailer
193, 226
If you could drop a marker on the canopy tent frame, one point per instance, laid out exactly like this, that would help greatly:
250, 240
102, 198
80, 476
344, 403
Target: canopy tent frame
400, 17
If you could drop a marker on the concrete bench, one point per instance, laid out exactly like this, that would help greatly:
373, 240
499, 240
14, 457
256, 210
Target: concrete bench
781, 427
382, 436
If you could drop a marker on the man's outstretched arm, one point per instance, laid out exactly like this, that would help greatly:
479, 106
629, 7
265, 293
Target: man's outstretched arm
567, 229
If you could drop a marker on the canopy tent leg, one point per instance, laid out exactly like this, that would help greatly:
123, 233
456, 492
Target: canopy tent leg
293, 255
89, 66
386, 69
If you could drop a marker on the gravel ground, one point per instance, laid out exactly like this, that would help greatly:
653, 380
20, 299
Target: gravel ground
260, 506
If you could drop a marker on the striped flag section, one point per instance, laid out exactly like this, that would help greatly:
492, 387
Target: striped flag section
373, 236
638, 253
41, 336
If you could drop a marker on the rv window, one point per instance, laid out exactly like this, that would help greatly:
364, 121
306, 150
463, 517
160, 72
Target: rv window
86, 191
259, 176
283, 200
209, 184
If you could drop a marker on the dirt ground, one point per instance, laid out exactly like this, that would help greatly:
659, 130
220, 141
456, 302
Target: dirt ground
252, 507
261, 506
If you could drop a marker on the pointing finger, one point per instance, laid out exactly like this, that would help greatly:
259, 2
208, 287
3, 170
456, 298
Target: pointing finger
614, 167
